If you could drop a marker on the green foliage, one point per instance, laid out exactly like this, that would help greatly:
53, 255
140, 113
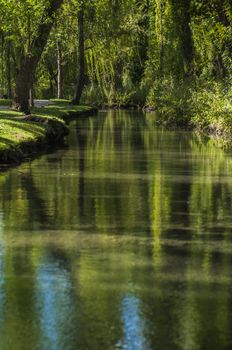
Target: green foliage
205, 105
212, 106
175, 56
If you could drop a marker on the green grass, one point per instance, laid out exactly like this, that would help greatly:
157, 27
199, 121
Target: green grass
9, 114
49, 120
13, 133
5, 102
61, 109
58, 111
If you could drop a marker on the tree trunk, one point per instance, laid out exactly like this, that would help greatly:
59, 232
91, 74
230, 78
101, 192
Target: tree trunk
29, 61
182, 13
2, 93
8, 63
52, 78
59, 71
139, 60
81, 58
187, 40
31, 96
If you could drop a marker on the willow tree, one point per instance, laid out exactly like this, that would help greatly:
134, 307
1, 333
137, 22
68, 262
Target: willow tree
29, 60
81, 56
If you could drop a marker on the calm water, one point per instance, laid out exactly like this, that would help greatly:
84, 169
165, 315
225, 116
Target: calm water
121, 241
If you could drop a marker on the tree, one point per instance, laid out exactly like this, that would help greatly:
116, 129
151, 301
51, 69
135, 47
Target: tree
29, 61
81, 57
8, 64
59, 70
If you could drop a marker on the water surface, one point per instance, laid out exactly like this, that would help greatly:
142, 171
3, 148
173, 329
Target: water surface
123, 240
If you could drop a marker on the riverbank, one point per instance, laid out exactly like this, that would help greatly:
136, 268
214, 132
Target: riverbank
210, 122
203, 106
24, 137
217, 126
193, 104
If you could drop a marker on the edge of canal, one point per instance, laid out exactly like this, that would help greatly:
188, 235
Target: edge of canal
42, 130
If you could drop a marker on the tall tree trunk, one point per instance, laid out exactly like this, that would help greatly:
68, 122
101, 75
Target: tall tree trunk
8, 64
182, 13
31, 96
2, 65
81, 58
29, 61
139, 60
59, 71
187, 40
52, 78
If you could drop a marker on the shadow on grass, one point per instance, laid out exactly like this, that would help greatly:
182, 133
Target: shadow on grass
25, 125
7, 142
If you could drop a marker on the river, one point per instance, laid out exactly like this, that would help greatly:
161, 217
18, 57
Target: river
122, 240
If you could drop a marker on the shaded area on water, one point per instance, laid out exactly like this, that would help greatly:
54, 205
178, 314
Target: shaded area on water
123, 241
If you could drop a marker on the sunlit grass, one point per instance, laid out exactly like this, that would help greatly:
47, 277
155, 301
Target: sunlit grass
14, 132
61, 109
43, 121
9, 113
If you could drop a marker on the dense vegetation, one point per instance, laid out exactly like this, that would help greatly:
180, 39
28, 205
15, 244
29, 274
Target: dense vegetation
175, 56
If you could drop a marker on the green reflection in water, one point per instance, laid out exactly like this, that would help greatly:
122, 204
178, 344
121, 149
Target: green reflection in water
121, 241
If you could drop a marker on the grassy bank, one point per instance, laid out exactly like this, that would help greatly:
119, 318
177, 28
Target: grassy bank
25, 136
64, 110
